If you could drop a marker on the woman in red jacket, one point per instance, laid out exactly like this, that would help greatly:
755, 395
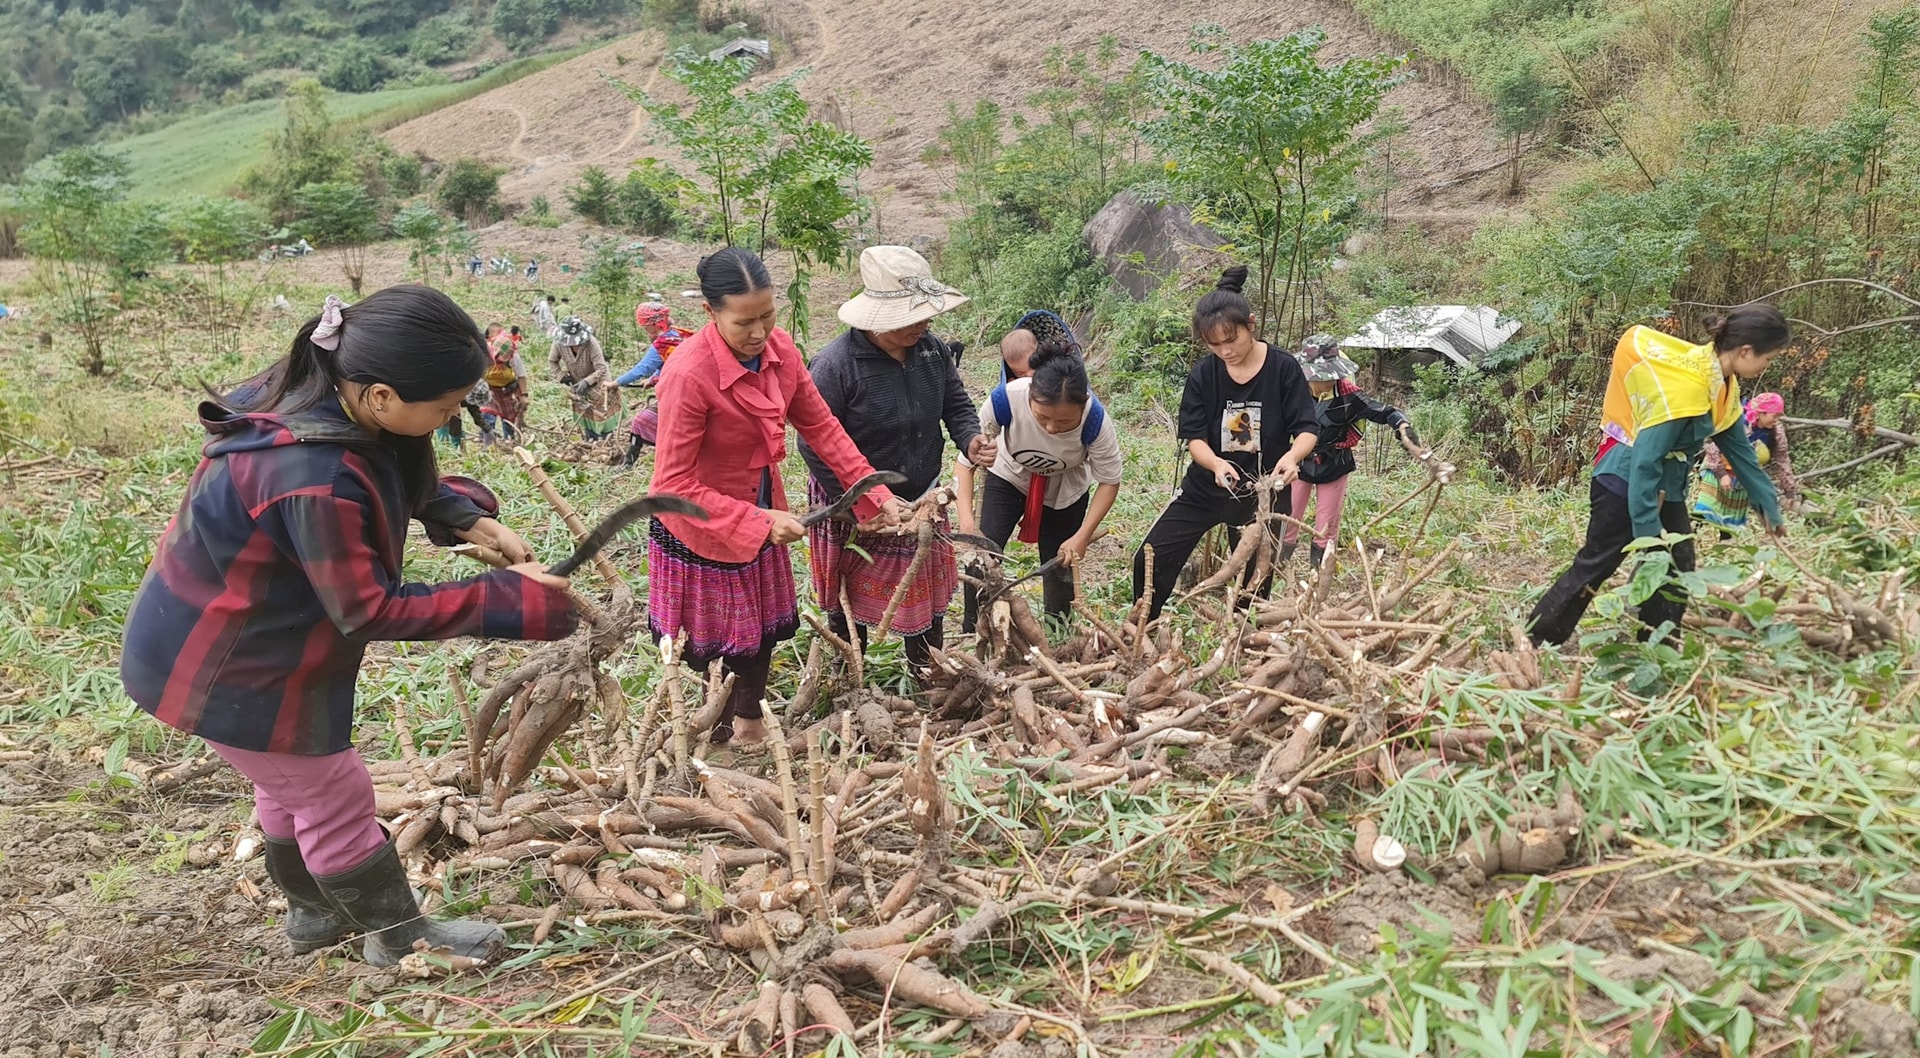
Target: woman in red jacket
726, 397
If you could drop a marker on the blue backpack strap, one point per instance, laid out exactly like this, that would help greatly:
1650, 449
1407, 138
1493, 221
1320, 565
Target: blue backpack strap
1002, 407
1096, 418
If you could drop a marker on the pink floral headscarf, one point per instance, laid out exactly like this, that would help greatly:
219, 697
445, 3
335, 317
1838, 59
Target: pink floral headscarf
1765, 404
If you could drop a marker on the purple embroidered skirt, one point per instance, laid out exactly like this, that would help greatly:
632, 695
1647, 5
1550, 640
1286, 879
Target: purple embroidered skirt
871, 579
727, 609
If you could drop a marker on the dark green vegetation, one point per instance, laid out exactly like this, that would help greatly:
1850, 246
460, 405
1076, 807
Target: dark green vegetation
68, 72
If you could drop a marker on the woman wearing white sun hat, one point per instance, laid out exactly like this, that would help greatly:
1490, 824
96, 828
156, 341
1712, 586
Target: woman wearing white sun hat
892, 384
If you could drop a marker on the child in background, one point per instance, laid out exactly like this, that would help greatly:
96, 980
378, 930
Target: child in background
1722, 500
284, 563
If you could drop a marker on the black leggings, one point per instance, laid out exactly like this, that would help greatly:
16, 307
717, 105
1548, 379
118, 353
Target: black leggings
1175, 535
1609, 529
1001, 506
919, 649
749, 681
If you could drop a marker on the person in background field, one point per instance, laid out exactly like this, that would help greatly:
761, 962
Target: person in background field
726, 398
1722, 499
892, 384
476, 406
507, 383
1055, 440
1665, 399
1246, 413
284, 563
576, 360
1323, 475
655, 320
544, 321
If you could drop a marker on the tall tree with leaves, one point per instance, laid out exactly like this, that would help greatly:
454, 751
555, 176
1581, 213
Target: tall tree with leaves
90, 246
1266, 138
341, 215
773, 176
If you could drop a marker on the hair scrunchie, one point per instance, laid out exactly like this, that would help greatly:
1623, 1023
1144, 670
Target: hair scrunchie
326, 334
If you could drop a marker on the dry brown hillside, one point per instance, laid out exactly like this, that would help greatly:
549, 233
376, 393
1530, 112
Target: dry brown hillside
888, 72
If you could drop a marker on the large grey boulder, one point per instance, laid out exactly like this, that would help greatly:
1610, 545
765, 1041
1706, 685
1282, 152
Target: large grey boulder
1164, 236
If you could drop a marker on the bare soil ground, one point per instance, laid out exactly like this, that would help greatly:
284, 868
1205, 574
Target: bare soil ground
889, 71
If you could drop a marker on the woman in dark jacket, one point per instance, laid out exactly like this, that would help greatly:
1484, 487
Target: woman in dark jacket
1323, 475
893, 386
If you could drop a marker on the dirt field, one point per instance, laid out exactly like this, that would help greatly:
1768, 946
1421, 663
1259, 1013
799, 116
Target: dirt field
549, 126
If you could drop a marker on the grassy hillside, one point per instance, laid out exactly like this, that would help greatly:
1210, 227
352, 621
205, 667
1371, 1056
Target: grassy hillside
206, 154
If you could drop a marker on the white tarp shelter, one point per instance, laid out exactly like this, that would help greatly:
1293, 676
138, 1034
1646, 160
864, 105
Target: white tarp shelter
1464, 334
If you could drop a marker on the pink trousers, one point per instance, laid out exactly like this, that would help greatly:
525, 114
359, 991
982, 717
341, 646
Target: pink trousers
1326, 512
325, 804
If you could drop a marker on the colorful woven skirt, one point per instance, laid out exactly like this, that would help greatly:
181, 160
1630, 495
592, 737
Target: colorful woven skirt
645, 425
510, 403
1722, 505
872, 578
727, 609
600, 416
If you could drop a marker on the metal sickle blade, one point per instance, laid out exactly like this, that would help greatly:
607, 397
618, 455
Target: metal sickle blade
626, 514
852, 495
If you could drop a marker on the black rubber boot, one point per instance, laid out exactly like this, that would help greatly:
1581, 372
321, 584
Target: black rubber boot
312, 920
375, 897
1286, 553
1316, 555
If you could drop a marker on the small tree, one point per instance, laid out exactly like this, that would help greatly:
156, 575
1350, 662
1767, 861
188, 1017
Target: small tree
1266, 139
426, 233
471, 190
643, 208
773, 174
90, 247
592, 196
612, 272
459, 246
340, 214
210, 235
1523, 104
308, 149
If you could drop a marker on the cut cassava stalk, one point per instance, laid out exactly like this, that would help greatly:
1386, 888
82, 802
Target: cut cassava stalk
923, 545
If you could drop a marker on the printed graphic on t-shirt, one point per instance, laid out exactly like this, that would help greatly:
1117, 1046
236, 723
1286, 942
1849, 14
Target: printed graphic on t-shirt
1240, 427
1038, 462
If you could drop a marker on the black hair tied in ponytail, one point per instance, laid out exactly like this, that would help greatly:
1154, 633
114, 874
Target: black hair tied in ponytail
1761, 326
731, 271
1059, 376
413, 338
1224, 309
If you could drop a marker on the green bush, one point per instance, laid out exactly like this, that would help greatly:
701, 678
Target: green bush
522, 24
592, 196
643, 209
356, 66
442, 38
471, 190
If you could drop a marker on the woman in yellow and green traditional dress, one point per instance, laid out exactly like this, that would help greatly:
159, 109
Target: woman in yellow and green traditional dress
1666, 398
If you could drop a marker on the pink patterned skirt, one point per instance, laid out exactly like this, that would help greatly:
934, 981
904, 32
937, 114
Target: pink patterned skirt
727, 609
872, 578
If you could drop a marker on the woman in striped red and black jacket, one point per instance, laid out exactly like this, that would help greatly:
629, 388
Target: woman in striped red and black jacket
284, 562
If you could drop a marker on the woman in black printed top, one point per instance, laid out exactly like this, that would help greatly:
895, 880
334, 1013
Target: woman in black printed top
1246, 413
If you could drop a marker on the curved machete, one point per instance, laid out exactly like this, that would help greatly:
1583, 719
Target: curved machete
852, 495
626, 514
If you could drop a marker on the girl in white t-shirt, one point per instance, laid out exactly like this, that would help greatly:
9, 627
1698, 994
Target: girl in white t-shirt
1055, 441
